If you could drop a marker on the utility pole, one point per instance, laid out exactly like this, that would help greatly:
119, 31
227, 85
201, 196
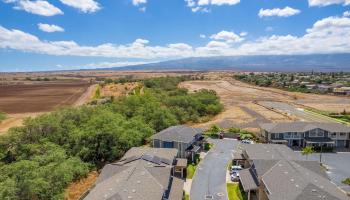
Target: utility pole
321, 154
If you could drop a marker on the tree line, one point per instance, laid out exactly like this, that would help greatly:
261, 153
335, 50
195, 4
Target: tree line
40, 159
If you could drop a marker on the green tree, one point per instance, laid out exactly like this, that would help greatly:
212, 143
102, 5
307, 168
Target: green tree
307, 151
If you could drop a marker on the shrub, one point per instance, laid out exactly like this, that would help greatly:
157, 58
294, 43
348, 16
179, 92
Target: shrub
346, 181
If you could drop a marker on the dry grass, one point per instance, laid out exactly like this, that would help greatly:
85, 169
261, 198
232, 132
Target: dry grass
77, 189
13, 120
118, 90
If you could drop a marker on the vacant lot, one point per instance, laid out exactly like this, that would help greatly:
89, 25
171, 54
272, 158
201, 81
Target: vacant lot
243, 107
40, 97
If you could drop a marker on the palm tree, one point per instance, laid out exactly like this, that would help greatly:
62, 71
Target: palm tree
307, 150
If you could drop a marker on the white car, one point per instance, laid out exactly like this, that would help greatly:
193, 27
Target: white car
247, 142
236, 168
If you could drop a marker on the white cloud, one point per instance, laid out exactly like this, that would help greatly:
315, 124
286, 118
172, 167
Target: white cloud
228, 36
138, 2
104, 65
202, 5
346, 14
85, 6
180, 46
325, 36
217, 44
284, 12
202, 36
50, 28
38, 7
141, 4
242, 34
321, 3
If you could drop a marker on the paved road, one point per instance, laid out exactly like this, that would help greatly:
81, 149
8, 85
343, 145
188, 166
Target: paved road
292, 110
258, 118
210, 177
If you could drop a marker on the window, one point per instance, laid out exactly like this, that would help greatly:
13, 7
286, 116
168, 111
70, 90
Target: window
320, 133
287, 135
333, 135
281, 135
312, 133
342, 134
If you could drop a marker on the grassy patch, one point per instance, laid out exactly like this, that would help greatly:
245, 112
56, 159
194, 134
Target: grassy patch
234, 192
346, 181
338, 117
208, 146
191, 168
97, 94
186, 197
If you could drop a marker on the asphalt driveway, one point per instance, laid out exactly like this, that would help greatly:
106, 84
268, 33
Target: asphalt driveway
210, 177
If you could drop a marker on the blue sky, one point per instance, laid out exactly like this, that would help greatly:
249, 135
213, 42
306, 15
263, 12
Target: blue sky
73, 34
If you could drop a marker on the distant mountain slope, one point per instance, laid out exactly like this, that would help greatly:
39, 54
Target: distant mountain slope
324, 62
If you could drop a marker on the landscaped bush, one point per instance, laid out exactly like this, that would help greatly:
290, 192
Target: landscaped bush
234, 130
346, 181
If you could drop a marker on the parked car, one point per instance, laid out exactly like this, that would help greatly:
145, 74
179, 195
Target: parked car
247, 142
235, 177
236, 168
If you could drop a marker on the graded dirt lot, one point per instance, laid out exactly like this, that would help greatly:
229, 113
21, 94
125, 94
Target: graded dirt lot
40, 97
245, 107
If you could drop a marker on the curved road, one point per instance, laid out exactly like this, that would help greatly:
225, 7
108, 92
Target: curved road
210, 177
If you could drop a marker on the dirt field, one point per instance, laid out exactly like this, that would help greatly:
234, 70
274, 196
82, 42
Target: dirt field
30, 99
40, 97
242, 106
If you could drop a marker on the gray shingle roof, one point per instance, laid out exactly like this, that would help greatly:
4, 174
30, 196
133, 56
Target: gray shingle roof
248, 179
136, 178
288, 176
180, 133
303, 127
176, 192
270, 152
290, 181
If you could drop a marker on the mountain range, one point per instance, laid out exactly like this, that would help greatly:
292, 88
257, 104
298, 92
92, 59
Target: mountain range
268, 63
